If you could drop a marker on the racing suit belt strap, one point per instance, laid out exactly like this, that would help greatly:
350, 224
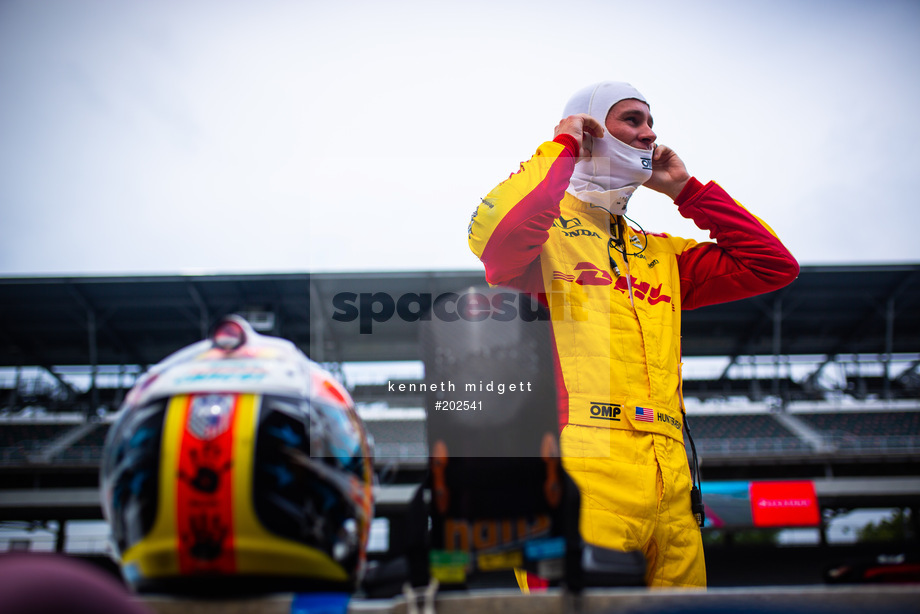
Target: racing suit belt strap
603, 414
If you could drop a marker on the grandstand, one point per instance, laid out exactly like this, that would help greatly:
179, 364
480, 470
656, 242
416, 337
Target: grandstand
818, 381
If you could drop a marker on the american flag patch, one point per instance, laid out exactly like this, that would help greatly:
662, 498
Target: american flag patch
563, 276
644, 414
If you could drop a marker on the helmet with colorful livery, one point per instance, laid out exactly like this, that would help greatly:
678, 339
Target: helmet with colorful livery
238, 465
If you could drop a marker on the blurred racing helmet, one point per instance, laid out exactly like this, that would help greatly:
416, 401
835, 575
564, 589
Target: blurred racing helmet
238, 465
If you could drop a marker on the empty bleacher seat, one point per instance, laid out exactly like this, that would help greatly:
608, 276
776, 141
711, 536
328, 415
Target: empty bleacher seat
867, 430
743, 434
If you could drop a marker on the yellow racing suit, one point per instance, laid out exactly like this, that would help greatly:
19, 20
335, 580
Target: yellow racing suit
615, 297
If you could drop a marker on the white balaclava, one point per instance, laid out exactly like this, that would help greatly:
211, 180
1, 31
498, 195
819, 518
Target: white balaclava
613, 172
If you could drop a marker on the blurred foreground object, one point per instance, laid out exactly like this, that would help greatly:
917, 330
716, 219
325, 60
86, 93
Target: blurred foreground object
45, 583
238, 465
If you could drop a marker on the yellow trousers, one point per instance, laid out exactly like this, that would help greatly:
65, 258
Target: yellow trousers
635, 495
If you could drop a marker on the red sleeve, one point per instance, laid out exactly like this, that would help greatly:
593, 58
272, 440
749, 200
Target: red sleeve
746, 259
569, 142
511, 225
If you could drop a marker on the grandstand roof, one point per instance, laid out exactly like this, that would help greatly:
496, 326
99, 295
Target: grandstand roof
51, 321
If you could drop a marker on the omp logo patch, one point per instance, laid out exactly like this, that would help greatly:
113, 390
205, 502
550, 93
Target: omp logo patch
642, 291
606, 411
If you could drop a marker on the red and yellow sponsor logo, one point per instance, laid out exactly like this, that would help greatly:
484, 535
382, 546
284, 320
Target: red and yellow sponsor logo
642, 290
592, 275
588, 274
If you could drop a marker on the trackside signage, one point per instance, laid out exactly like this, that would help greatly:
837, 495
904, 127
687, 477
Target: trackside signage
784, 504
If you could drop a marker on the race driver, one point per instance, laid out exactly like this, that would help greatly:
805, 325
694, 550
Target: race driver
556, 228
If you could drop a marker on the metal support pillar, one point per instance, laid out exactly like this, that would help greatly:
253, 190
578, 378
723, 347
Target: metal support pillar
204, 317
93, 361
60, 539
14, 394
889, 347
777, 345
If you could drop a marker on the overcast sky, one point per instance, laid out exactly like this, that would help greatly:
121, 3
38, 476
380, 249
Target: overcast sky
176, 137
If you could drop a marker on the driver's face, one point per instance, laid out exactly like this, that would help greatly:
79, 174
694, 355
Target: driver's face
630, 121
